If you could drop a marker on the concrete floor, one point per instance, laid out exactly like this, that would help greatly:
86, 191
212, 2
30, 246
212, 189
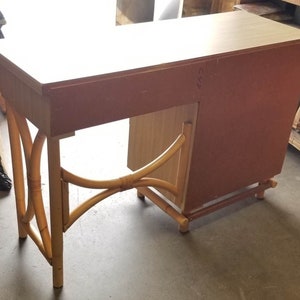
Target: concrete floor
125, 248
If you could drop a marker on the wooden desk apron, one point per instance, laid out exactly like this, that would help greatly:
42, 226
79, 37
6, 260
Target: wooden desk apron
236, 74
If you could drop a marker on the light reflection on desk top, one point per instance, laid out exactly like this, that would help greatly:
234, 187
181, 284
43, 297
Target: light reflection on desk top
91, 46
51, 18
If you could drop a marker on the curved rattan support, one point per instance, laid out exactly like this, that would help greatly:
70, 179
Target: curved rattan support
89, 203
126, 181
19, 132
26, 139
34, 182
136, 179
19, 129
18, 172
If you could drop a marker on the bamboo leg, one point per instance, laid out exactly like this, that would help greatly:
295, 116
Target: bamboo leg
184, 161
56, 211
182, 175
18, 175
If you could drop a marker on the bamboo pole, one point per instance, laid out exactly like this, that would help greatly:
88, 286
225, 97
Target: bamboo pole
18, 172
56, 211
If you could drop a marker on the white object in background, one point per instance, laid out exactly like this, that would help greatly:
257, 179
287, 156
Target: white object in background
53, 18
167, 9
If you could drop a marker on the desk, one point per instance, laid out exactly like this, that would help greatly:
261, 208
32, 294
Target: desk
65, 84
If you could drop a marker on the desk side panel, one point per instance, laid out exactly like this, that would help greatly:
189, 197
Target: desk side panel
25, 99
244, 122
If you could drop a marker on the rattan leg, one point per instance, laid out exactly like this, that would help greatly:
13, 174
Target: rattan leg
17, 163
56, 211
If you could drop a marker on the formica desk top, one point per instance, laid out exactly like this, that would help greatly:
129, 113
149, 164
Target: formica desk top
96, 73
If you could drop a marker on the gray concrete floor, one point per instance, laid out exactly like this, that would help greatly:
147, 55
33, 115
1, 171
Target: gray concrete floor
125, 248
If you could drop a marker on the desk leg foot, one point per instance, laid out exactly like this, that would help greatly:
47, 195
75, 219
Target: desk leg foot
260, 195
267, 183
57, 273
140, 195
22, 232
57, 284
184, 228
